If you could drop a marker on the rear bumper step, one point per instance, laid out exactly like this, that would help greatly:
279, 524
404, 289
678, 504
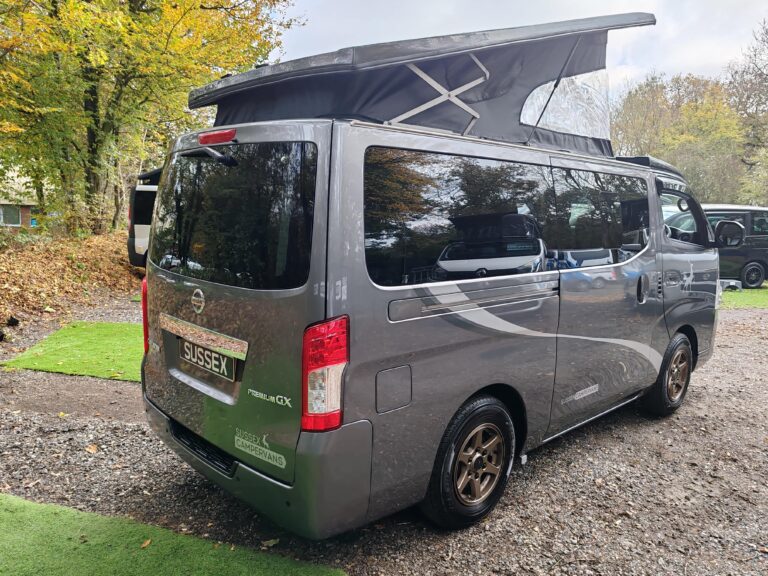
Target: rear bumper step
332, 483
203, 449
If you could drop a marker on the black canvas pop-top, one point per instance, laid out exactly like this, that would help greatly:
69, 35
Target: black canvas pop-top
532, 84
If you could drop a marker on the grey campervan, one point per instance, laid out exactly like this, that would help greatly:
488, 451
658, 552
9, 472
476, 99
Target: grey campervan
380, 279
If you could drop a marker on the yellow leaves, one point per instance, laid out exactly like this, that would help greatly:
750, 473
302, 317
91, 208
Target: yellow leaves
10, 128
146, 543
140, 65
92, 448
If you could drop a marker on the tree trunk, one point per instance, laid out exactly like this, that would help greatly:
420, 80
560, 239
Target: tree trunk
94, 184
118, 196
37, 184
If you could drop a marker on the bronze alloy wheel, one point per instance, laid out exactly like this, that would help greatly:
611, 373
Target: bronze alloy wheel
478, 464
677, 374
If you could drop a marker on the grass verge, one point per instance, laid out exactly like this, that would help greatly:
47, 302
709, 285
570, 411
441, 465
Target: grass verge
758, 298
47, 539
102, 349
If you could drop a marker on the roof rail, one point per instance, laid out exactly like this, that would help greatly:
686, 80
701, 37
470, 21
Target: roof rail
652, 163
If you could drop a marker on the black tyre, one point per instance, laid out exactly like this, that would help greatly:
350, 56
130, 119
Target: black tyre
472, 464
752, 275
669, 391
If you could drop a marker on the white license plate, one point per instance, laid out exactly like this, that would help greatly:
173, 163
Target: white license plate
207, 359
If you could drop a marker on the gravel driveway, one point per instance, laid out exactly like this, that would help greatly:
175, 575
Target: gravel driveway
624, 495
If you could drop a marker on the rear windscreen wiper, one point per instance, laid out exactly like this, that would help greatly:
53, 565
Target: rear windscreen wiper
225, 159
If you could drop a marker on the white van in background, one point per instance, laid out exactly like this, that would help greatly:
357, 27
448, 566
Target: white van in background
140, 206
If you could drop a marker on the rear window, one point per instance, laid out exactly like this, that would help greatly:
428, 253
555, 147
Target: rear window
242, 218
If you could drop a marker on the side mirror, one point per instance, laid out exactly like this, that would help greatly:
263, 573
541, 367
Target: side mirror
729, 234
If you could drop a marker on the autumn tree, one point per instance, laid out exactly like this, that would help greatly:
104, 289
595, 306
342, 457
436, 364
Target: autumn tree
99, 86
690, 122
748, 86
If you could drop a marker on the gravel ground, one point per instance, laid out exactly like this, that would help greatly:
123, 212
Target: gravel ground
624, 495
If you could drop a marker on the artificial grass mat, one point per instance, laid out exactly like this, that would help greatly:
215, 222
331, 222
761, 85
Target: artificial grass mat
101, 349
47, 539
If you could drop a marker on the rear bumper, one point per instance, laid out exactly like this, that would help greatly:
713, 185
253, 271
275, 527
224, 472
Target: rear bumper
332, 483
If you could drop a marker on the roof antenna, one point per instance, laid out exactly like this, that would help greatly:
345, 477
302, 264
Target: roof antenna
557, 83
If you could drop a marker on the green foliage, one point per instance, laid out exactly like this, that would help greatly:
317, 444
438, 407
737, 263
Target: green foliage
46, 539
102, 349
91, 92
690, 122
715, 132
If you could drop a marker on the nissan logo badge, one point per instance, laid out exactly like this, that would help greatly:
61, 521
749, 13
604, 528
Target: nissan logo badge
198, 300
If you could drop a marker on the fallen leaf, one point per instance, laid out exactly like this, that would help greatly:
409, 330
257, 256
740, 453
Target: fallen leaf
270, 543
232, 548
146, 543
92, 448
63, 415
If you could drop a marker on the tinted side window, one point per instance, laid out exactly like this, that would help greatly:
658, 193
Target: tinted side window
759, 223
601, 218
431, 217
679, 222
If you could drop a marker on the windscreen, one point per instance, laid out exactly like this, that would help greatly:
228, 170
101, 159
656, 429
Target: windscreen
239, 215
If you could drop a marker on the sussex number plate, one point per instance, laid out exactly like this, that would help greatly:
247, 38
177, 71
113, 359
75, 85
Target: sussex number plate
210, 360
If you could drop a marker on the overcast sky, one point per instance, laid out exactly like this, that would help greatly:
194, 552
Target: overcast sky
697, 36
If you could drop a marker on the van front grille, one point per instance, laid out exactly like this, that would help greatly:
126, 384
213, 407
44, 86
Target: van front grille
212, 455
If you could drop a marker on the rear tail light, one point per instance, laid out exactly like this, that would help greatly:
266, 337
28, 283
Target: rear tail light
325, 354
144, 322
217, 137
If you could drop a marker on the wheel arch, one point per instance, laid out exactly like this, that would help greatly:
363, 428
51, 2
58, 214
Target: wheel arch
512, 399
689, 332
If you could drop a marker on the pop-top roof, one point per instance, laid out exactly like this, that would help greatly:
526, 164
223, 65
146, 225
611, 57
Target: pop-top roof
475, 84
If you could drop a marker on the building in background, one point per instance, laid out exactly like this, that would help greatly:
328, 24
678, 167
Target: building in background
17, 212
18, 205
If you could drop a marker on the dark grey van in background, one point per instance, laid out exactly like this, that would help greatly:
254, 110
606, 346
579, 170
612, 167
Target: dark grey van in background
344, 318
747, 262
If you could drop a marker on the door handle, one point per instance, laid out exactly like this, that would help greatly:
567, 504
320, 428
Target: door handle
642, 288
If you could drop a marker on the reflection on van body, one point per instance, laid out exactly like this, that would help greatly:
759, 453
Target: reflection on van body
493, 245
477, 260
